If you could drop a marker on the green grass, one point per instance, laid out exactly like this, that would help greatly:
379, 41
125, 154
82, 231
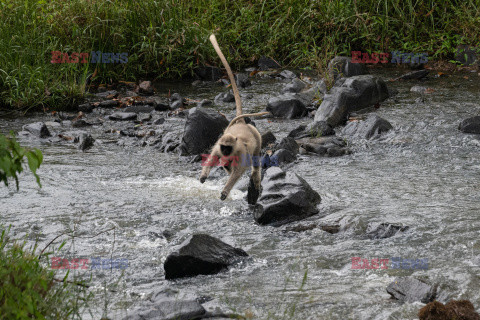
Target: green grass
168, 38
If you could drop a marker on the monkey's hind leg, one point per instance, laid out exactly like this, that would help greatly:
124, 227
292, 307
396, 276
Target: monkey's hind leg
254, 187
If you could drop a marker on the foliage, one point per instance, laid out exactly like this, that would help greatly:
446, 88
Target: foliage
27, 289
11, 158
168, 38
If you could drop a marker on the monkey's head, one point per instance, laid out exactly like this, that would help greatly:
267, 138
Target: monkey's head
227, 143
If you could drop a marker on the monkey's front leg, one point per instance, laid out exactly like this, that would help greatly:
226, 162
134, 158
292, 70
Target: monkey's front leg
211, 161
236, 174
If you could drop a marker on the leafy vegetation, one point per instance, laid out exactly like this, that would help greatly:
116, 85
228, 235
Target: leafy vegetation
11, 158
168, 38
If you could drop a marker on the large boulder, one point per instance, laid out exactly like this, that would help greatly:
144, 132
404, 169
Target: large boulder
202, 129
470, 125
352, 94
370, 128
286, 197
203, 254
38, 129
410, 290
287, 106
330, 146
340, 67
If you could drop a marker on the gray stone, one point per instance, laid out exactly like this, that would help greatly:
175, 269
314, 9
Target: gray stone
106, 94
80, 123
86, 141
287, 74
139, 109
123, 116
384, 230
204, 103
242, 80
267, 138
108, 104
283, 156
286, 106
418, 89
340, 67
414, 75
203, 254
352, 94
330, 146
146, 87
38, 129
409, 289
370, 128
470, 125
285, 197
288, 143
295, 86
168, 310
225, 97
86, 107
176, 104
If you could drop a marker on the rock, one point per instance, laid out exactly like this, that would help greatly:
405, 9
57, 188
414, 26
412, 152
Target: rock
283, 156
145, 87
162, 106
331, 229
267, 138
418, 89
289, 144
286, 106
242, 80
176, 104
203, 254
331, 146
409, 289
168, 310
208, 73
108, 104
370, 128
123, 116
144, 117
107, 94
285, 197
53, 124
414, 75
225, 97
470, 125
170, 142
340, 67
176, 97
354, 93
318, 89
86, 107
86, 141
139, 109
287, 74
80, 123
204, 103
315, 129
38, 129
467, 55
461, 310
301, 228
202, 129
295, 86
159, 121
384, 230
265, 63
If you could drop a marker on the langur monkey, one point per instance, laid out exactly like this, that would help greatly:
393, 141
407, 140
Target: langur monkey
239, 141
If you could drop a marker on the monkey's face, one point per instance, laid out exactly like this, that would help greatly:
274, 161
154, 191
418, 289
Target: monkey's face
227, 143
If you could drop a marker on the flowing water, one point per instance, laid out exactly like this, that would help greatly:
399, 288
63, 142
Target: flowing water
423, 174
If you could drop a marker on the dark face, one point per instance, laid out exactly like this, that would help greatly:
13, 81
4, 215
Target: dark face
226, 150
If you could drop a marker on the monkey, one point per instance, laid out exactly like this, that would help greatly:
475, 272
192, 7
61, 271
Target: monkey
238, 140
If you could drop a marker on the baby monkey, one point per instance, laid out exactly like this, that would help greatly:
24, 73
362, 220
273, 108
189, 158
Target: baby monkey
239, 141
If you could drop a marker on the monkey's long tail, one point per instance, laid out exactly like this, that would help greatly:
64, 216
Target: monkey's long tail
246, 115
238, 102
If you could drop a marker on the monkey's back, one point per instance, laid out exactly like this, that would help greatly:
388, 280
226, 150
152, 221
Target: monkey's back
248, 134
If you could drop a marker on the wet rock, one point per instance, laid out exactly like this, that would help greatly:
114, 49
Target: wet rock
352, 94
384, 230
37, 129
176, 104
107, 94
409, 289
205, 103
414, 75
287, 74
267, 138
288, 143
53, 124
202, 129
108, 104
144, 117
331, 146
470, 125
86, 107
242, 80
314, 130
461, 310
467, 55
295, 86
159, 121
283, 156
139, 109
86, 141
176, 97
170, 142
168, 310
225, 97
318, 89
340, 67
208, 73
146, 87
418, 89
331, 229
286, 106
162, 106
285, 197
301, 228
123, 116
265, 63
203, 254
370, 128
80, 123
